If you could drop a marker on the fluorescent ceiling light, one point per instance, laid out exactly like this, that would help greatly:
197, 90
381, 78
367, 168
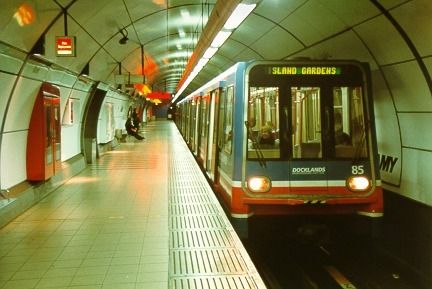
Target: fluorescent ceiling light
210, 52
184, 13
239, 14
179, 47
202, 62
220, 38
208, 84
182, 34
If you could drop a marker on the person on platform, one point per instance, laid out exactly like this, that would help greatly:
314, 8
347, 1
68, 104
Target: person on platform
132, 129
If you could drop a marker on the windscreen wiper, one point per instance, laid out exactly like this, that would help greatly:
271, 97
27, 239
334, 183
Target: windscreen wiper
359, 146
255, 145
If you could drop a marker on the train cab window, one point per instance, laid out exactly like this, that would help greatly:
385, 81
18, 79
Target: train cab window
263, 122
349, 124
306, 122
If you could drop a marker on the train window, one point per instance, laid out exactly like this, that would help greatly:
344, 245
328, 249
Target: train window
306, 122
204, 116
263, 122
228, 124
349, 125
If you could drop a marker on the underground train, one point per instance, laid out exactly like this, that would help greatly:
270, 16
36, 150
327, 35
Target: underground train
287, 137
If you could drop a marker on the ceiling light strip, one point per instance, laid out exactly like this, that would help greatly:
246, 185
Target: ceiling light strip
234, 20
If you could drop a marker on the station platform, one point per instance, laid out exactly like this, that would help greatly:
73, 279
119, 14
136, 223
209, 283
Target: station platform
141, 216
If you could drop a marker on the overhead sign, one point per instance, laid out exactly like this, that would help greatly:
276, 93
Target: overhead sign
65, 46
304, 70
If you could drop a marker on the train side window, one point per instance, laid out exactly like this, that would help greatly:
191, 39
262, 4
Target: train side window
263, 122
306, 122
349, 123
225, 119
228, 124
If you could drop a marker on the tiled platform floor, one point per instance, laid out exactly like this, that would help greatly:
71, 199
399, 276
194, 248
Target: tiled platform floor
107, 227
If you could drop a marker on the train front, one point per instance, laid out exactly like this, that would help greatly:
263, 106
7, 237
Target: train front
309, 144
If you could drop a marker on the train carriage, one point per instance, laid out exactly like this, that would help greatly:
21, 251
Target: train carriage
290, 137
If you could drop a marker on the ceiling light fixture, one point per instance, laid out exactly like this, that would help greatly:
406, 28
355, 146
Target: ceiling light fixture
239, 14
182, 33
124, 39
220, 38
236, 18
209, 53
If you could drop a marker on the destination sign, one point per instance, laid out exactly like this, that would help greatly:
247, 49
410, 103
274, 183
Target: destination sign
304, 70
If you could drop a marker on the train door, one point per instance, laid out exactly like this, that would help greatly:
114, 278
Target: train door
225, 133
187, 127
211, 165
44, 137
308, 169
196, 123
347, 138
192, 125
328, 124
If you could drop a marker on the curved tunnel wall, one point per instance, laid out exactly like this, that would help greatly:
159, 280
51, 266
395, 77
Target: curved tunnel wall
393, 36
20, 85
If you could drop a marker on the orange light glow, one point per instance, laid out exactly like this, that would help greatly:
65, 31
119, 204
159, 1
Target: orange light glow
83, 180
25, 14
143, 89
161, 3
151, 68
159, 95
155, 101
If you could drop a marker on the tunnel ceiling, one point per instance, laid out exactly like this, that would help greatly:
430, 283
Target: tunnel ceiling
162, 34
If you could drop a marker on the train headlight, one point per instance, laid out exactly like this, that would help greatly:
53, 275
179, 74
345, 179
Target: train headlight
259, 184
358, 183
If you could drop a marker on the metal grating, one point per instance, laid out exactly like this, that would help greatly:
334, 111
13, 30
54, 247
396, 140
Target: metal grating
201, 239
190, 199
182, 189
204, 252
192, 208
187, 182
187, 222
206, 262
213, 282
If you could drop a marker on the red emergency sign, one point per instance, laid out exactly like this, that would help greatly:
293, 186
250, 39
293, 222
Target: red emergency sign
65, 46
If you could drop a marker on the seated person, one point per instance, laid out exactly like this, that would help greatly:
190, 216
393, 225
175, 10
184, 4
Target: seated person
132, 130
343, 139
266, 136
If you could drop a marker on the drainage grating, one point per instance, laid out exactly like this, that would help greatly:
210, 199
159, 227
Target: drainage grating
204, 251
194, 188
190, 208
213, 282
186, 181
201, 239
191, 199
206, 262
187, 222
